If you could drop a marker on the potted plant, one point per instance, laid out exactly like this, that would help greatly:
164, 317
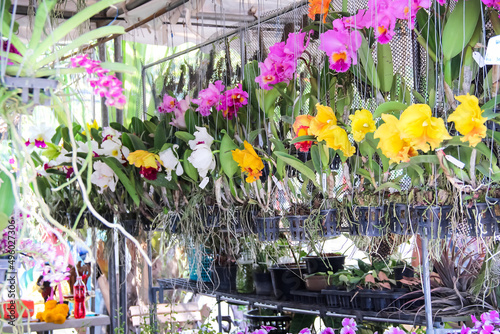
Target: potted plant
317, 281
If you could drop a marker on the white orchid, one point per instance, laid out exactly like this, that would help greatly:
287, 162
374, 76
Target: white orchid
40, 135
114, 148
201, 137
103, 177
84, 148
61, 158
202, 158
110, 133
171, 162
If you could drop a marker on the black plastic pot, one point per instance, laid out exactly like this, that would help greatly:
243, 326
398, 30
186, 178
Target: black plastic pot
286, 279
315, 264
94, 222
399, 219
224, 277
399, 273
340, 299
370, 220
131, 226
482, 220
379, 300
263, 283
433, 219
330, 224
268, 228
210, 216
71, 219
147, 224
298, 228
244, 222
307, 297
255, 321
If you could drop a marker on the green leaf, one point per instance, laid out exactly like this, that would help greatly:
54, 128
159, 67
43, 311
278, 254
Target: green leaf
298, 165
137, 143
267, 100
42, 13
119, 171
388, 185
119, 67
189, 169
7, 195
459, 27
184, 136
489, 106
228, 165
191, 121
84, 39
389, 108
136, 126
302, 138
118, 127
316, 159
365, 56
385, 66
160, 135
18, 44
68, 26
150, 126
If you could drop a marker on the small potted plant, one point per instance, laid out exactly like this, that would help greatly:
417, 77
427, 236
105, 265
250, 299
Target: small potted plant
317, 281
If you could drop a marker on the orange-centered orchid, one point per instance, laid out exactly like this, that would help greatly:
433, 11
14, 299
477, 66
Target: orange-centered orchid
301, 128
324, 118
362, 123
318, 7
391, 144
249, 162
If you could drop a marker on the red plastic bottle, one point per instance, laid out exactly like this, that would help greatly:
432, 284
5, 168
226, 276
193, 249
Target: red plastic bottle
79, 291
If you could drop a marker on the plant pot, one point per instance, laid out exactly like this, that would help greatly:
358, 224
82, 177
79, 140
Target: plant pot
331, 226
298, 227
255, 321
340, 299
131, 226
316, 283
224, 277
199, 263
482, 220
210, 216
94, 222
268, 228
399, 219
370, 220
263, 283
244, 278
323, 264
147, 225
286, 279
308, 297
243, 222
432, 220
401, 272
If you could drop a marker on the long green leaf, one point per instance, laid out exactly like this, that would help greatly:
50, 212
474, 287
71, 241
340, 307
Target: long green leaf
137, 143
118, 169
368, 64
79, 41
229, 166
68, 26
302, 138
460, 26
389, 107
42, 13
18, 44
298, 165
385, 66
184, 136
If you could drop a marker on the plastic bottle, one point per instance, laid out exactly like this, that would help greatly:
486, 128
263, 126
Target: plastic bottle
79, 291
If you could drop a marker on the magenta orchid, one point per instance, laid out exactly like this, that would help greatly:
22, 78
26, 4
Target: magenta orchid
328, 330
407, 9
232, 100
104, 85
209, 97
394, 330
341, 46
169, 104
178, 120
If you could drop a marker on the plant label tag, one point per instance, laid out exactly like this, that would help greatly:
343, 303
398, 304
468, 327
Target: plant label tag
454, 161
478, 58
323, 181
278, 184
493, 51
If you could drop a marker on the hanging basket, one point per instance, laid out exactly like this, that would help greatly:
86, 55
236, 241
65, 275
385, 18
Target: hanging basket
399, 219
268, 228
370, 220
32, 86
331, 226
433, 219
482, 220
211, 216
298, 227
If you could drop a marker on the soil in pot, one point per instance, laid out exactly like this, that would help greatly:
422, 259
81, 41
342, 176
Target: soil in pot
263, 283
286, 279
324, 263
224, 277
316, 282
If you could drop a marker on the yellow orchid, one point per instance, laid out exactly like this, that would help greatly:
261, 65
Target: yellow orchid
469, 120
249, 162
392, 146
91, 126
336, 138
421, 129
141, 158
301, 127
362, 123
324, 117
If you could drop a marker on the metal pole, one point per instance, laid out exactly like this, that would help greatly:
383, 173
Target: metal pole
119, 59
144, 106
152, 299
219, 316
93, 233
104, 107
113, 302
233, 32
122, 273
426, 282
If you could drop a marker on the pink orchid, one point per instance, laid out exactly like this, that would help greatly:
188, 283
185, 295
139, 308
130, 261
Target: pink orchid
383, 19
407, 9
328, 330
209, 97
179, 120
341, 46
168, 105
232, 100
358, 21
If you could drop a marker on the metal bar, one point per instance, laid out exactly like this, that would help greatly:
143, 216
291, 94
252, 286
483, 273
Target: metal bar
219, 316
233, 32
113, 302
23, 10
104, 107
93, 237
123, 283
130, 5
426, 282
144, 107
119, 59
152, 293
